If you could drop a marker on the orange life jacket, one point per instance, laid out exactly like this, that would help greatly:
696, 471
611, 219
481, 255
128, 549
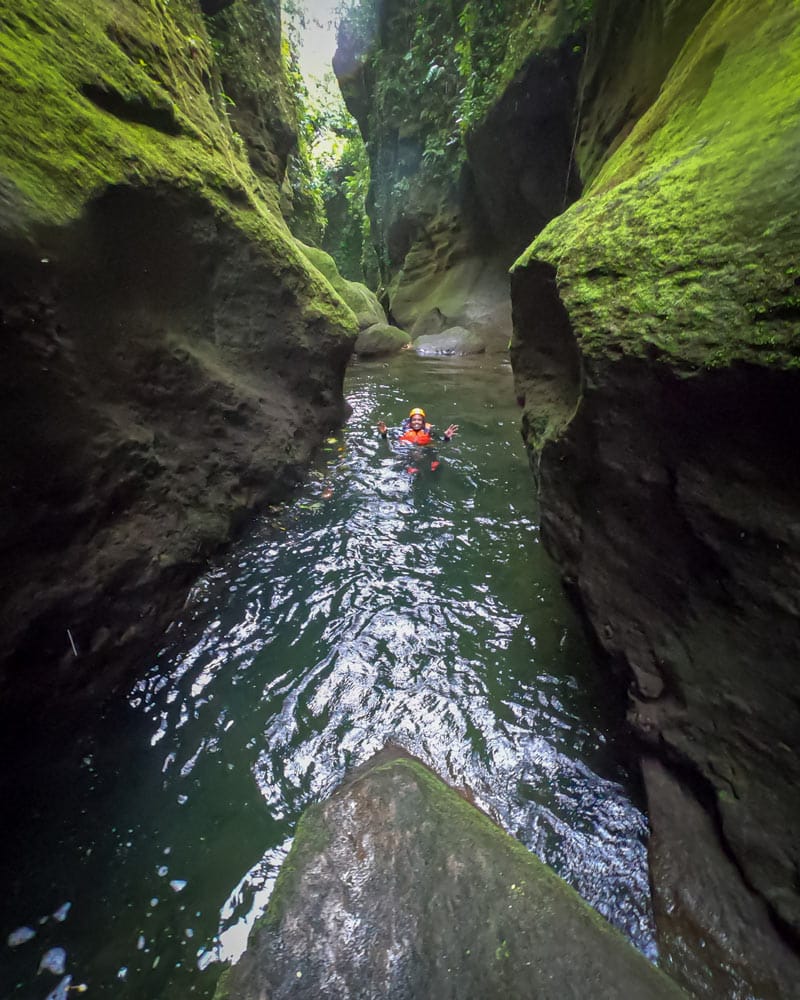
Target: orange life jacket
416, 437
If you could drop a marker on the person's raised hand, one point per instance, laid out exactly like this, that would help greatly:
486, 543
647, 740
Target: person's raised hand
451, 430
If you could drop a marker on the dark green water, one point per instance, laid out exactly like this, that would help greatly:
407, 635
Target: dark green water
419, 609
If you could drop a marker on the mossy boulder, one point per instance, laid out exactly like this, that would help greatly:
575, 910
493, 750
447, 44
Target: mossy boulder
364, 303
381, 339
686, 243
169, 359
398, 887
656, 347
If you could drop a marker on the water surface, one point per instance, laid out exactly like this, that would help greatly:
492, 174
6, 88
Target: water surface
376, 605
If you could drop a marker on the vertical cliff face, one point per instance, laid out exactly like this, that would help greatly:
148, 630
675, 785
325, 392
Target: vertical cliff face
656, 347
169, 361
436, 90
253, 91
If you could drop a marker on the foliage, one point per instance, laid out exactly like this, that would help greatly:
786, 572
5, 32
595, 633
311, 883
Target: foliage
439, 67
346, 180
307, 217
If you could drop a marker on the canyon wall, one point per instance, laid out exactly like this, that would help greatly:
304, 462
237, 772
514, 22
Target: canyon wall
448, 214
656, 351
169, 357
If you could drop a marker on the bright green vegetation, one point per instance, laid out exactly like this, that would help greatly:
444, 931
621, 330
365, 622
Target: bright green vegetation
497, 39
307, 218
439, 69
345, 185
101, 93
357, 296
328, 175
686, 243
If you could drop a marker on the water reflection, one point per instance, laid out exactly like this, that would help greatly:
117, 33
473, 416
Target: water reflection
376, 606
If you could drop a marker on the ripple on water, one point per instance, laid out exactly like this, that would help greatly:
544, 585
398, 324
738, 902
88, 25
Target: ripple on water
418, 610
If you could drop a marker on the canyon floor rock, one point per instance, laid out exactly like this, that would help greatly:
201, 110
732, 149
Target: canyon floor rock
398, 887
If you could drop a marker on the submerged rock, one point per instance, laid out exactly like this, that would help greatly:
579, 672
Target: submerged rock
54, 960
456, 340
381, 339
20, 936
398, 887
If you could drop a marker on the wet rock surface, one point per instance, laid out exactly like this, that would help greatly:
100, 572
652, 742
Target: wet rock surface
716, 935
655, 354
168, 361
454, 341
398, 887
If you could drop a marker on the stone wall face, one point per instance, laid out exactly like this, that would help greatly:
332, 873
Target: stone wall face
168, 359
484, 122
656, 349
457, 193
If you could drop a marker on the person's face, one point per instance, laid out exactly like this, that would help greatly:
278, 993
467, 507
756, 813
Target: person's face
417, 422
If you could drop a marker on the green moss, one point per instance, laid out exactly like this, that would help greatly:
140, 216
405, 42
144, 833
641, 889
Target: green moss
359, 299
98, 93
310, 839
223, 985
686, 243
435, 70
499, 38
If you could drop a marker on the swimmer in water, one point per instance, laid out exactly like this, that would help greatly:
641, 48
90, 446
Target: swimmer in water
416, 431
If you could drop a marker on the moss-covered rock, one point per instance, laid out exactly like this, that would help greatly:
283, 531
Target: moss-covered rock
363, 302
381, 339
398, 887
169, 359
656, 347
686, 243
254, 91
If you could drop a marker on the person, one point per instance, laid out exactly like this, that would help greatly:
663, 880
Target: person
415, 429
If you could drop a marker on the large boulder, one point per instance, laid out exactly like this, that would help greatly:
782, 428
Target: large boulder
471, 292
381, 339
656, 349
433, 321
169, 360
454, 341
398, 887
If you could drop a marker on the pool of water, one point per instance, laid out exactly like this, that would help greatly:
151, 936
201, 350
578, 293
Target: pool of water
377, 605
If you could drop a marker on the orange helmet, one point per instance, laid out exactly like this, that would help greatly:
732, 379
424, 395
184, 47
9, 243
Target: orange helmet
417, 412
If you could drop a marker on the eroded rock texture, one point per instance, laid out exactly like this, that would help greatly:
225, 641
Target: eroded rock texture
656, 350
398, 887
168, 360
483, 122
461, 182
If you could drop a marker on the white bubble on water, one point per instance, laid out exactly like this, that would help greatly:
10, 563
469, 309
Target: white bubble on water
20, 936
55, 961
